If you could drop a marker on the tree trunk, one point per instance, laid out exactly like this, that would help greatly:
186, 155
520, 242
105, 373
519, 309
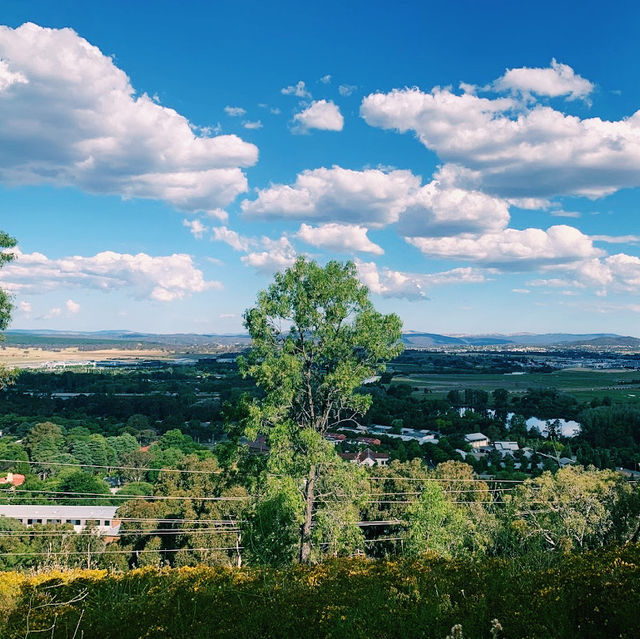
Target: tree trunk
305, 529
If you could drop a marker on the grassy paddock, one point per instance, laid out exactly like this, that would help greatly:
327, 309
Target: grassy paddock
590, 595
584, 384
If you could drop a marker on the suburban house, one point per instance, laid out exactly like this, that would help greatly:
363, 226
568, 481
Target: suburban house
13, 479
506, 448
366, 458
476, 440
335, 438
102, 517
258, 446
371, 441
405, 434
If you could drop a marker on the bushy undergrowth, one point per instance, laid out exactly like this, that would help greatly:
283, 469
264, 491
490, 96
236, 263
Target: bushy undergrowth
595, 594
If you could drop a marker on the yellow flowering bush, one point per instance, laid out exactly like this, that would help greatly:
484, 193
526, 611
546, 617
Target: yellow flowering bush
593, 594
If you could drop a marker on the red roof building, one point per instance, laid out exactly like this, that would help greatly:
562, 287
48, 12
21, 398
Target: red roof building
366, 458
15, 479
372, 441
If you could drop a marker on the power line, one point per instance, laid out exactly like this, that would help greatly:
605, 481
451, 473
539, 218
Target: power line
109, 467
121, 496
121, 533
218, 472
445, 479
114, 552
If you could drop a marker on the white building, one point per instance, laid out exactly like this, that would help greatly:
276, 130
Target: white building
477, 440
102, 517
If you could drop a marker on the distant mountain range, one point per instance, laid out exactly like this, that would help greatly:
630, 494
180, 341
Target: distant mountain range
424, 340
412, 339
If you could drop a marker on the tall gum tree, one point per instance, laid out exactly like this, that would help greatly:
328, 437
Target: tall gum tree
315, 339
6, 244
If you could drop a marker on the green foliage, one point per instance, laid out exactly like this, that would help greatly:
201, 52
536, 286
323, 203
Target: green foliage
273, 522
593, 595
435, 524
83, 482
315, 338
571, 509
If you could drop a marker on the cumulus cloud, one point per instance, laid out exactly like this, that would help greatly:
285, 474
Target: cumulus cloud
554, 81
196, 228
619, 272
442, 208
162, 278
341, 195
514, 249
72, 307
512, 148
274, 256
233, 239
8, 77
390, 283
69, 116
299, 90
380, 197
322, 114
278, 254
25, 307
340, 238
255, 124
234, 111
326, 79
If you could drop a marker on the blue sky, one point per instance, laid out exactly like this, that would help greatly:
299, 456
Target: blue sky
479, 161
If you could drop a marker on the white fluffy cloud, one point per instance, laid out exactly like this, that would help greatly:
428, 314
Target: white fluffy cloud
233, 239
274, 256
340, 238
513, 148
511, 248
69, 116
619, 272
373, 196
72, 306
278, 254
322, 114
554, 81
442, 208
8, 77
390, 283
163, 278
378, 198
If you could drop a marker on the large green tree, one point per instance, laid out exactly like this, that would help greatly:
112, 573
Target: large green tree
6, 242
315, 338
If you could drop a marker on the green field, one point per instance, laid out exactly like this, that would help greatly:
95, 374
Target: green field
584, 384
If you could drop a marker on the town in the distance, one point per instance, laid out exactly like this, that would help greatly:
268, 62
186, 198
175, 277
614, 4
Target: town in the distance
88, 412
